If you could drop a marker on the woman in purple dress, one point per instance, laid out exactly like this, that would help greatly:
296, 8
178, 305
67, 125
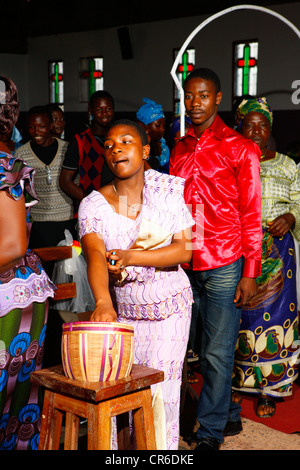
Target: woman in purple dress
138, 229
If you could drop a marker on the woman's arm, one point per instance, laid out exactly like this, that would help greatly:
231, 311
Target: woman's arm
178, 252
97, 271
13, 230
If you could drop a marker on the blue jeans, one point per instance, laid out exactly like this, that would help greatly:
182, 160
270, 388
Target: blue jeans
220, 322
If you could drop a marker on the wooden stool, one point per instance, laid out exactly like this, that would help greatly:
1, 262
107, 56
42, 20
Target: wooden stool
97, 402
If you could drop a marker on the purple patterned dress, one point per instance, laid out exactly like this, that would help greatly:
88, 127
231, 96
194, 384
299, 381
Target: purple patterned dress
24, 293
156, 301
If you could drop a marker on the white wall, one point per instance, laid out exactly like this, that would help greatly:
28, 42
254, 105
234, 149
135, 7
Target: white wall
148, 73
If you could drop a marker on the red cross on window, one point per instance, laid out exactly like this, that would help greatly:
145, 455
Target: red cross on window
92, 74
184, 67
245, 63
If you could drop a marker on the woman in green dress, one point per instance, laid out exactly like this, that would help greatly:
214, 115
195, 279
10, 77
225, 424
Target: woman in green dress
24, 292
267, 348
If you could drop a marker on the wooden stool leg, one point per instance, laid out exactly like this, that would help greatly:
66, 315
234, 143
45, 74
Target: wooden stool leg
123, 431
71, 432
56, 429
47, 416
99, 426
144, 423
50, 424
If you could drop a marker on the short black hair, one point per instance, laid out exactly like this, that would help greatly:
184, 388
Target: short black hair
101, 94
127, 122
205, 74
51, 107
39, 110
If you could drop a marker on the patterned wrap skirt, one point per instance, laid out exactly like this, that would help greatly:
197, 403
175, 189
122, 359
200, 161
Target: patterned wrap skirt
267, 350
22, 333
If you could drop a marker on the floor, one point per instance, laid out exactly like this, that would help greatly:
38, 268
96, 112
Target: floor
254, 436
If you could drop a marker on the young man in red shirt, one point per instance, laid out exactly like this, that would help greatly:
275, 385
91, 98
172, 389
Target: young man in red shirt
222, 187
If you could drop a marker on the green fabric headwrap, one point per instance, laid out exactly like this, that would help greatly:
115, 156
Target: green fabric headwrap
257, 105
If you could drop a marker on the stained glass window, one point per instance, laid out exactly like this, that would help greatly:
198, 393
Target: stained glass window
185, 66
56, 82
90, 77
245, 68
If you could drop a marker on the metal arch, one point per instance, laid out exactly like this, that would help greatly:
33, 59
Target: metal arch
201, 26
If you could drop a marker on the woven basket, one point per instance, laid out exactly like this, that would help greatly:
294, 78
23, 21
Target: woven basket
97, 351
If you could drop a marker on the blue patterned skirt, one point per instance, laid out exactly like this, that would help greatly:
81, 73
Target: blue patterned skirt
22, 335
267, 349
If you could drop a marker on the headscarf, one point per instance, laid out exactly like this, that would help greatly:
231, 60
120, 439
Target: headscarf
149, 112
257, 105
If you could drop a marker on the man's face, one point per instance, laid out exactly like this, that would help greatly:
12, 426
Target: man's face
201, 102
102, 111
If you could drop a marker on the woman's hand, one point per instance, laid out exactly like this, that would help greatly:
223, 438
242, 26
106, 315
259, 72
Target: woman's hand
104, 314
281, 225
120, 259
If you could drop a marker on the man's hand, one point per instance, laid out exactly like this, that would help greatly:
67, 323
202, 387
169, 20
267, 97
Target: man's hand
245, 290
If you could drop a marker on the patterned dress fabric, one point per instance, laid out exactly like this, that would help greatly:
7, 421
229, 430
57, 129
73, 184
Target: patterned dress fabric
54, 205
267, 349
157, 302
24, 293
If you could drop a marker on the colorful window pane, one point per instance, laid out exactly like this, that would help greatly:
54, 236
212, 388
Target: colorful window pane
245, 68
185, 66
56, 82
91, 77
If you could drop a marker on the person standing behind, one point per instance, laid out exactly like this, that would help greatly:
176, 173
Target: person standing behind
266, 358
85, 154
54, 213
58, 122
152, 119
221, 170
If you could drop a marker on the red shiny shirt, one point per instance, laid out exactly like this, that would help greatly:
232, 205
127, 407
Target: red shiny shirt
222, 189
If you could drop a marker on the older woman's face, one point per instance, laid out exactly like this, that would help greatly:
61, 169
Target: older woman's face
256, 127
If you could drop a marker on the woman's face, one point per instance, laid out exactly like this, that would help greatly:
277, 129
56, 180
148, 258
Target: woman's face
156, 129
39, 129
124, 151
256, 127
58, 123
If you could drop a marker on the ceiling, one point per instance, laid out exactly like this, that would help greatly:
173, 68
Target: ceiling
32, 18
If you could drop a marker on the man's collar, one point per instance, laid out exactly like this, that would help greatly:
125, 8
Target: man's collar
217, 127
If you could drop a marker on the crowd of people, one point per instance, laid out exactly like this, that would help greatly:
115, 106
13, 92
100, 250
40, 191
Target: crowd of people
202, 232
